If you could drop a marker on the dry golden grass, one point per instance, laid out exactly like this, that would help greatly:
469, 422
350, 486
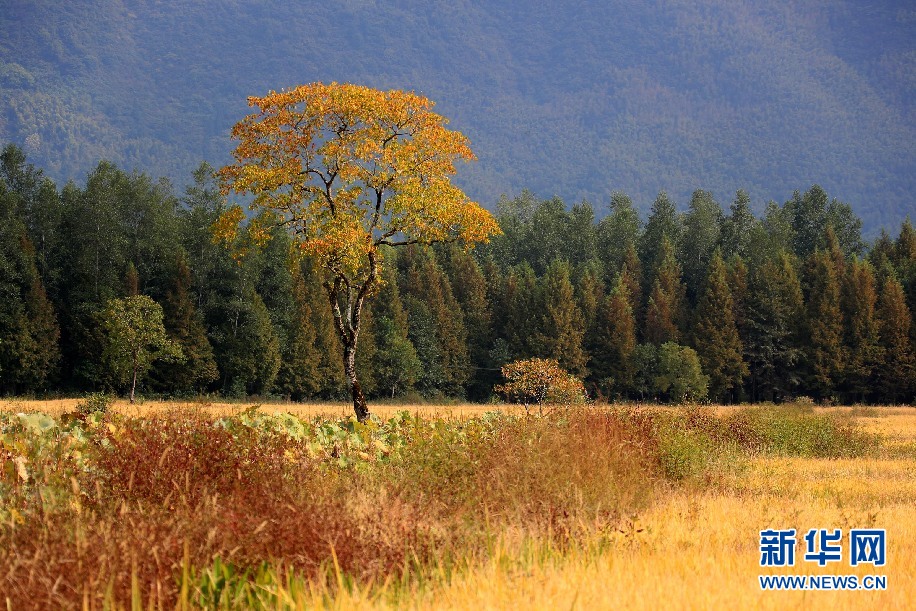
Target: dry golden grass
56, 407
700, 550
697, 548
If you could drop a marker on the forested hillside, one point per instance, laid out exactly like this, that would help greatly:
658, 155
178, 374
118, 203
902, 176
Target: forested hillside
573, 99
715, 302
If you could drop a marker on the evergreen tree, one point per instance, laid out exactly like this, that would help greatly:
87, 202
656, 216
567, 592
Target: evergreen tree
470, 290
185, 328
808, 214
825, 355
439, 334
613, 367
737, 228
562, 328
665, 310
633, 278
861, 333
249, 347
715, 335
774, 310
698, 240
663, 224
397, 366
589, 289
618, 232
905, 261
523, 312
896, 373
29, 331
298, 376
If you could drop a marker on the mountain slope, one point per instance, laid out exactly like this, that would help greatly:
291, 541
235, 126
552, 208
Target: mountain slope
575, 99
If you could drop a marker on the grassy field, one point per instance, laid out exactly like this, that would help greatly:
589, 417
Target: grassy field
632, 507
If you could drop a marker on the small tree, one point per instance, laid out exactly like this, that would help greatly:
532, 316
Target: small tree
350, 170
541, 382
135, 338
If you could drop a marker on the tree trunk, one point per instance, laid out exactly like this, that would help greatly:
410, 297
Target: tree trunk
359, 400
133, 386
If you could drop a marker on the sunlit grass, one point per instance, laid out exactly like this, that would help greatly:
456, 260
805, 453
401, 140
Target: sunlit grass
694, 546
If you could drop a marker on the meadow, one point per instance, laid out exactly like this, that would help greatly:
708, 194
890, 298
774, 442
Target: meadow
209, 505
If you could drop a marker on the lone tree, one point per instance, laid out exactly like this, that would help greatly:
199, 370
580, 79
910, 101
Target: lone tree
135, 338
349, 170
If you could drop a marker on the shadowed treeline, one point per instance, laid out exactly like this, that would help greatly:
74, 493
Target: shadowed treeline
681, 305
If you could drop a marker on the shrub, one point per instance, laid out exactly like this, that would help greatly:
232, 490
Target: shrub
540, 382
94, 403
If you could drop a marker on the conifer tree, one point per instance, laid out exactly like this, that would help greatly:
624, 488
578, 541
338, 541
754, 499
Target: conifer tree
774, 310
665, 310
298, 376
440, 336
664, 223
249, 347
633, 278
397, 366
905, 261
29, 331
470, 290
184, 327
523, 312
737, 228
896, 374
589, 289
562, 329
824, 352
613, 367
861, 332
698, 241
618, 232
715, 335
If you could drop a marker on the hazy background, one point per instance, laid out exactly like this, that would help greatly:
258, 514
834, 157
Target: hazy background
577, 99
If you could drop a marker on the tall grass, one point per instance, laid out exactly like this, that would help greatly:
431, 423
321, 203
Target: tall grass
264, 510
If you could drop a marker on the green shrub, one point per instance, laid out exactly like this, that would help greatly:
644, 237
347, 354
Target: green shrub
94, 403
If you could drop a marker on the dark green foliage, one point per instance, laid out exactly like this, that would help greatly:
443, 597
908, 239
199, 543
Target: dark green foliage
896, 374
29, 331
298, 374
774, 341
562, 327
715, 335
669, 373
471, 293
737, 228
436, 324
248, 346
699, 239
824, 350
663, 224
618, 232
254, 317
612, 365
185, 328
666, 307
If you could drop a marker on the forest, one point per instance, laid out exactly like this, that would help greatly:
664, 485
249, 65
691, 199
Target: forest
707, 303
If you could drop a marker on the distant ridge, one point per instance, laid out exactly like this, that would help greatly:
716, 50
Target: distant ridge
574, 99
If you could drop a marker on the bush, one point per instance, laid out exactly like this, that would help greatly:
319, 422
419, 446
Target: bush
540, 382
670, 372
94, 403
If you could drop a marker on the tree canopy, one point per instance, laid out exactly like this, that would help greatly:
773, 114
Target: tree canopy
349, 170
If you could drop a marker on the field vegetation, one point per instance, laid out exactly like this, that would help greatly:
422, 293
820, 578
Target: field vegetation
151, 506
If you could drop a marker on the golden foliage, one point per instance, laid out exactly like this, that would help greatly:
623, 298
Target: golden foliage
348, 169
